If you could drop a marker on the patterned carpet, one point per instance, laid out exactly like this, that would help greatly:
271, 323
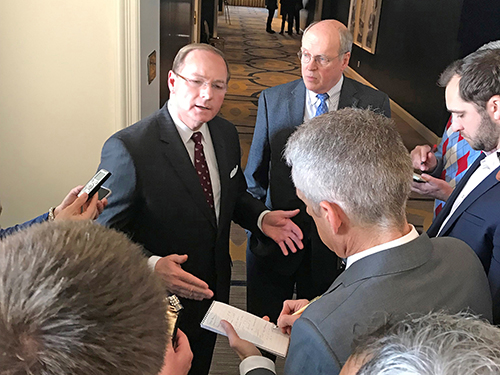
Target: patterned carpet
258, 60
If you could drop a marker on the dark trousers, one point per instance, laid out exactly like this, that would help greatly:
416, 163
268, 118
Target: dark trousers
270, 18
287, 16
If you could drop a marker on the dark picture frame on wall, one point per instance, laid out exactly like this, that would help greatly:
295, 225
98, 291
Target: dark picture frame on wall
364, 16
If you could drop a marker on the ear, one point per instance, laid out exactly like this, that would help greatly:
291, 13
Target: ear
345, 60
493, 107
171, 81
334, 214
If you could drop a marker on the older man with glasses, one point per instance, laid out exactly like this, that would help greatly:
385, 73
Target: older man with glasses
272, 274
177, 184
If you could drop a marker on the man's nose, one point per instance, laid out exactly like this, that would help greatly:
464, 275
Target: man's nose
207, 90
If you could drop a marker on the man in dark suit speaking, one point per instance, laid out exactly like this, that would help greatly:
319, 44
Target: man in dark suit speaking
177, 184
356, 188
272, 275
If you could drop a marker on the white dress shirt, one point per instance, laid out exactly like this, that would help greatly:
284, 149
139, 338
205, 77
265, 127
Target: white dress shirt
312, 101
488, 165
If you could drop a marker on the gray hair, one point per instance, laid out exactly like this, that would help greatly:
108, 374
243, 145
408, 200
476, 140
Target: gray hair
184, 51
78, 298
355, 158
434, 344
479, 75
345, 36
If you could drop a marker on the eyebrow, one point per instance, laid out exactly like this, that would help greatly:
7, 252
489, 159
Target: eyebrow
196, 75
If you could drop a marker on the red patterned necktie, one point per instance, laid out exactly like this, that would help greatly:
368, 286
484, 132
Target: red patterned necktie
200, 164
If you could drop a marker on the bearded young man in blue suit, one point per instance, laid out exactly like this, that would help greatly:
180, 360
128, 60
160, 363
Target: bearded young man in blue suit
472, 213
272, 274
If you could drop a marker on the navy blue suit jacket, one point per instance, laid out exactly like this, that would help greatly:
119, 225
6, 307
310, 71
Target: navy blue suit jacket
477, 222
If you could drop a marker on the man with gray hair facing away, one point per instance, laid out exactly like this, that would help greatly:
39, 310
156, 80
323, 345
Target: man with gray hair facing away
79, 299
432, 344
353, 172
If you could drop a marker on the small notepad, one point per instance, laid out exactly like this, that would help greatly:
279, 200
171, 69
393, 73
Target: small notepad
262, 334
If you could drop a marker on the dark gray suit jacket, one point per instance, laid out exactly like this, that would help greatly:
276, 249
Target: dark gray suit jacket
281, 111
421, 276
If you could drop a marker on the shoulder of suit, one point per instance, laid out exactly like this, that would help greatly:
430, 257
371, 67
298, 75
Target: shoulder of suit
285, 87
141, 128
364, 89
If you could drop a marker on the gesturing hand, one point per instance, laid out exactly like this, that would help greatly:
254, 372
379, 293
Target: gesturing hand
180, 282
278, 226
286, 319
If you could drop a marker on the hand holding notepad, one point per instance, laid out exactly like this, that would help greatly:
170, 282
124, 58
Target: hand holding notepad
259, 332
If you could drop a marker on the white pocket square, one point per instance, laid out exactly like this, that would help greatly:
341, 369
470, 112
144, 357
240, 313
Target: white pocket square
233, 172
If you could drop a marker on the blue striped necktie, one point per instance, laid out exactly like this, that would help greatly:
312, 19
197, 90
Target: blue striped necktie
323, 107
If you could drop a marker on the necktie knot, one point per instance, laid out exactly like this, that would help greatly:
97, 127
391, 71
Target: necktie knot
196, 137
323, 107
323, 97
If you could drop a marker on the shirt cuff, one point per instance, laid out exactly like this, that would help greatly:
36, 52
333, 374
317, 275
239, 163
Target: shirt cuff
261, 217
152, 260
256, 361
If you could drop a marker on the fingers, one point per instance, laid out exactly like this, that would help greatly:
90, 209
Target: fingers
285, 322
179, 259
243, 348
289, 214
283, 248
91, 211
179, 281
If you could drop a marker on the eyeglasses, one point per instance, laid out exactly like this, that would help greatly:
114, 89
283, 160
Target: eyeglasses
305, 58
199, 83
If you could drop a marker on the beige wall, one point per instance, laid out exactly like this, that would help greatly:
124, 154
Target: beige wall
60, 98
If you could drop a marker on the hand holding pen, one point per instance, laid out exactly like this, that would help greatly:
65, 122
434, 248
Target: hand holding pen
423, 158
292, 309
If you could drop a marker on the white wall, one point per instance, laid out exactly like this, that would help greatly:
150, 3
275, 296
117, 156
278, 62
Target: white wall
60, 98
150, 41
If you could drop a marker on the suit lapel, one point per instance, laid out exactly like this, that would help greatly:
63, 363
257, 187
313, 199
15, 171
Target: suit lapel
348, 97
296, 104
177, 155
480, 189
438, 221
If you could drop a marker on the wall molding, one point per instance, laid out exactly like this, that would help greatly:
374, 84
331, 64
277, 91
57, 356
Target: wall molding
130, 64
420, 128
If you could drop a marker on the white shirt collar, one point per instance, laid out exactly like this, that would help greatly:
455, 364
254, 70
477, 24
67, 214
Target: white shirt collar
385, 246
491, 161
333, 93
184, 131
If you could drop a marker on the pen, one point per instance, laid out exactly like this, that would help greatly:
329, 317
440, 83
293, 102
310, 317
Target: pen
301, 310
434, 149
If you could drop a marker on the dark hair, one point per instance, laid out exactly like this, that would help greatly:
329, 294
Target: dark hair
479, 76
78, 298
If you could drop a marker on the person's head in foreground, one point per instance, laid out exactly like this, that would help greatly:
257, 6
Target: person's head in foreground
78, 298
433, 344
353, 171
